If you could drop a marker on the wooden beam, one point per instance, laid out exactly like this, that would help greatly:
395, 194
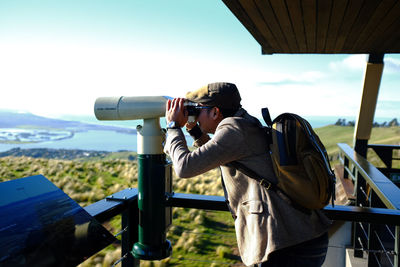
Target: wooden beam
281, 11
350, 16
372, 80
296, 17
246, 21
337, 14
377, 20
324, 18
391, 42
270, 20
367, 10
384, 31
310, 23
250, 7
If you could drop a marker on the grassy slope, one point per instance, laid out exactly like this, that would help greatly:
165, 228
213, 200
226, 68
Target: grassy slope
331, 135
204, 236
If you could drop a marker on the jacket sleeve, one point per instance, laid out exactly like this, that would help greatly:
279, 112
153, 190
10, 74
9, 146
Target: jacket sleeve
225, 146
198, 136
204, 138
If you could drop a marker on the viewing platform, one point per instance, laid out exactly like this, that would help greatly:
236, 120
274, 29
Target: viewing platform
366, 215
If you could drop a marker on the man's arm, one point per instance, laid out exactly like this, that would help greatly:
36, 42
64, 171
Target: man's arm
198, 136
224, 147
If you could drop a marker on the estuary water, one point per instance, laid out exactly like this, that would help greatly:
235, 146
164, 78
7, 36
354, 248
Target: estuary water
89, 140
116, 141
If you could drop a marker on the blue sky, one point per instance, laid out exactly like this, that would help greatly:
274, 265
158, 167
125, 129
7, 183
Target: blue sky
57, 57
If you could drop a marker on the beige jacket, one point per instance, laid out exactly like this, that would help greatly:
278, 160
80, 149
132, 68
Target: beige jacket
264, 221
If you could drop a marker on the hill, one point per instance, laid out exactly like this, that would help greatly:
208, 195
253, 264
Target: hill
199, 235
333, 134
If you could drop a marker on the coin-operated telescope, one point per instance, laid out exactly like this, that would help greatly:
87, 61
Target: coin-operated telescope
154, 176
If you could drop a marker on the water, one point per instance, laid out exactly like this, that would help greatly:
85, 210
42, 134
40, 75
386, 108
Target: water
115, 141
90, 140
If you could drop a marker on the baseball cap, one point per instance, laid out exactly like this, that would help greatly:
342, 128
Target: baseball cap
221, 94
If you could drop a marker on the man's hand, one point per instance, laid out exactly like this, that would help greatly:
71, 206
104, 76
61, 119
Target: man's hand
191, 125
175, 111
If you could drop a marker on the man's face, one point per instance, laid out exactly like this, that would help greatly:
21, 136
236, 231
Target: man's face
205, 120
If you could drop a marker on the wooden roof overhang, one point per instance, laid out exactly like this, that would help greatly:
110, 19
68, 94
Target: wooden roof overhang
321, 26
328, 27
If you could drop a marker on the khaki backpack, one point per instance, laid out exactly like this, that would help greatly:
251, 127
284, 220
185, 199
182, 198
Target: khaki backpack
300, 162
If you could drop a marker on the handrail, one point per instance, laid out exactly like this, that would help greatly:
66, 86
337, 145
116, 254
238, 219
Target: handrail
106, 209
113, 205
385, 153
125, 202
370, 237
384, 146
387, 191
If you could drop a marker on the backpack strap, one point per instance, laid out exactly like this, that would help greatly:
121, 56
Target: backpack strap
268, 121
267, 184
252, 174
266, 116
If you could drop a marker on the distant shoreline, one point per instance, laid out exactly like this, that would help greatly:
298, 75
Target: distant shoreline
64, 154
91, 140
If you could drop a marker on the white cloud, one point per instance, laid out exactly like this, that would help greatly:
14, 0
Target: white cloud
281, 78
323, 98
352, 62
57, 79
358, 62
392, 65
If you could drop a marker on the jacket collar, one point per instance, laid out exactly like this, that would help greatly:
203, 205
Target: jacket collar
243, 113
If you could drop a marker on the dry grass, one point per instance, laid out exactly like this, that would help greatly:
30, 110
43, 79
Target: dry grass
91, 181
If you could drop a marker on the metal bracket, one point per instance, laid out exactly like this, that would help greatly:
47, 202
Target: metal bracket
121, 259
122, 195
169, 195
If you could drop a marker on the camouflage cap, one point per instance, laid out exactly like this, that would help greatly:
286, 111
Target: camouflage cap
222, 95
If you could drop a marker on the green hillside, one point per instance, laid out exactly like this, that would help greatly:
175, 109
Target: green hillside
199, 238
331, 135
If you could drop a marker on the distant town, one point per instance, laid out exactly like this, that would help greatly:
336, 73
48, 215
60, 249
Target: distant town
391, 123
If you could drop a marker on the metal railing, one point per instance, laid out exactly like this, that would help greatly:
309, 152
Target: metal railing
373, 190
389, 154
380, 213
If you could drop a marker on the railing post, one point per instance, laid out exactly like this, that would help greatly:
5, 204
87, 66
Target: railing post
373, 240
396, 246
130, 221
359, 232
346, 165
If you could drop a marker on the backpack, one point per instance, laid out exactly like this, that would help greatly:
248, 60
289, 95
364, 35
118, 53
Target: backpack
300, 162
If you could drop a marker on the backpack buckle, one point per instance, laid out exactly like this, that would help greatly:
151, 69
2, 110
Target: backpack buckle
265, 183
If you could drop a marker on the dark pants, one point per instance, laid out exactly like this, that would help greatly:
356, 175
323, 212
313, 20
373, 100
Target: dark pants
311, 253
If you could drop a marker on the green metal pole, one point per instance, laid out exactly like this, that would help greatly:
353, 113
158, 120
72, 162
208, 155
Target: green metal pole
152, 244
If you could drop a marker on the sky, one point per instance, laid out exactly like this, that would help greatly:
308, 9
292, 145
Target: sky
57, 57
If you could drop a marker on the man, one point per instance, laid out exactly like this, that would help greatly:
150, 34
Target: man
269, 230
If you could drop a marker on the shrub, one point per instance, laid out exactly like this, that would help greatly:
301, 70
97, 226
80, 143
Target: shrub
223, 251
